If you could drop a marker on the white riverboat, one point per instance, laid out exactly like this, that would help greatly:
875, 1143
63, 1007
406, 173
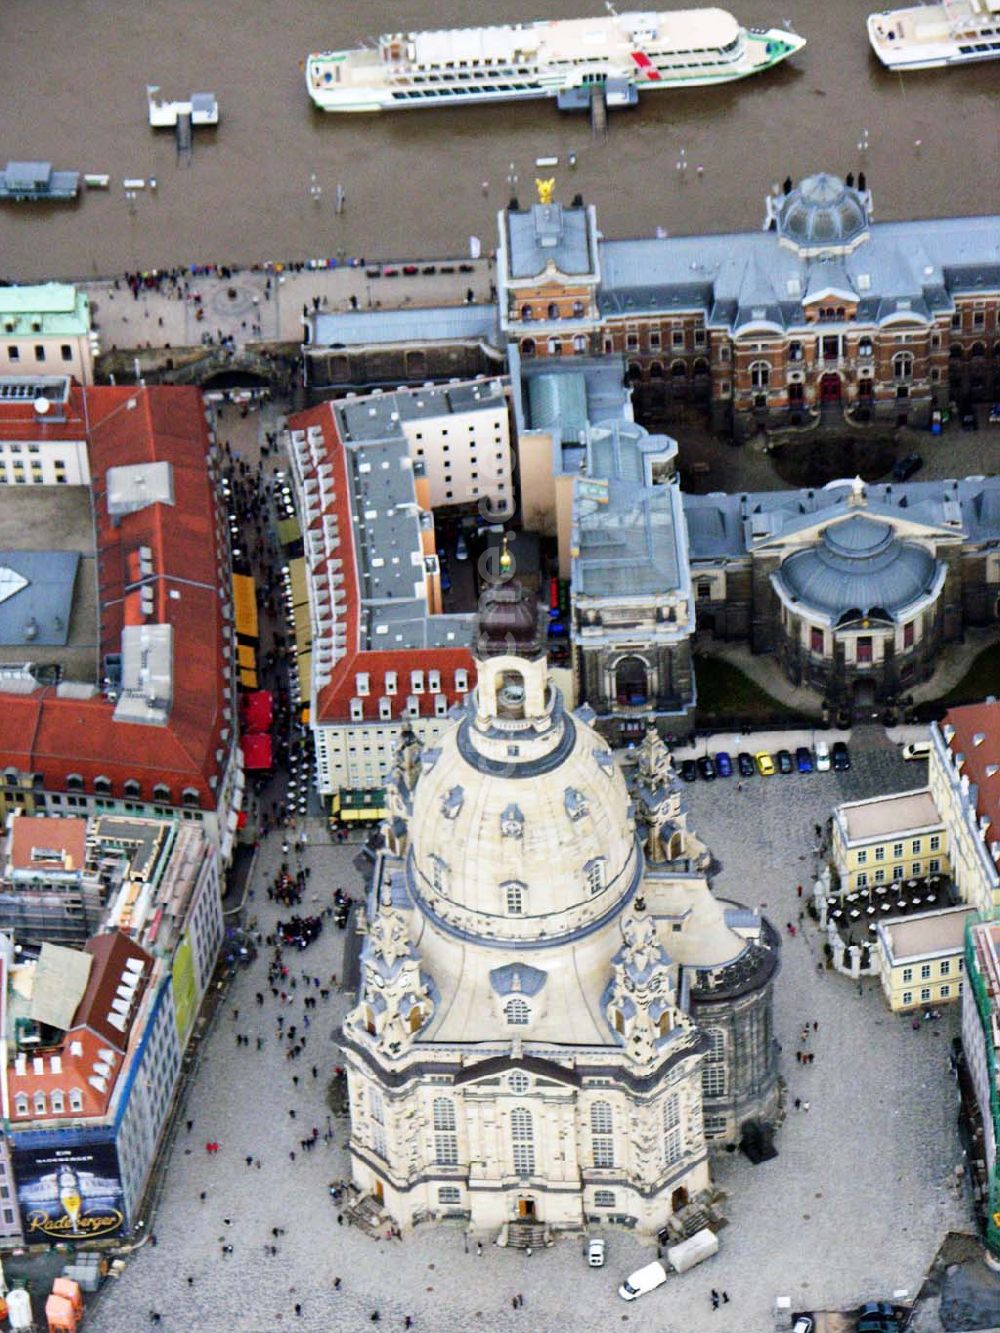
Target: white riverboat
621, 54
953, 32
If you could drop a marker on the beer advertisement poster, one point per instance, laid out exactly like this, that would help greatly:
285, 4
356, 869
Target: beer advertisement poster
69, 1194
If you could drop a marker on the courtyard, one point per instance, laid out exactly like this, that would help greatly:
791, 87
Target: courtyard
853, 1207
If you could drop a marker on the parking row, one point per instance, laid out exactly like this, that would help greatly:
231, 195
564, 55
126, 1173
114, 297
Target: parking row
763, 763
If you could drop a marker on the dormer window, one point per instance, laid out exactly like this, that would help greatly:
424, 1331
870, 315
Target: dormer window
417, 682
102, 785
461, 680
361, 684
190, 797
75, 1100
594, 872
161, 792
513, 892
58, 1103
132, 787
74, 782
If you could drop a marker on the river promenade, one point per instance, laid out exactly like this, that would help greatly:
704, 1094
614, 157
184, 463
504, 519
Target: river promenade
264, 307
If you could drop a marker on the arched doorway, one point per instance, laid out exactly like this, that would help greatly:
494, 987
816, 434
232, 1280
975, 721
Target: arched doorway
829, 388
679, 1199
631, 681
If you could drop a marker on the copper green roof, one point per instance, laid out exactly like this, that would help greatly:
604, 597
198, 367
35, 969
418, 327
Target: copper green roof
57, 307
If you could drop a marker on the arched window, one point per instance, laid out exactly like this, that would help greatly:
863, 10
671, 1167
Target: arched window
634, 372
602, 1134
102, 785
678, 370
517, 1013
865, 347
553, 310
522, 1139
161, 792
656, 370
713, 1074
75, 1100
526, 313
955, 351
902, 366
673, 1144
631, 682
555, 347
445, 1135
700, 367
39, 1103
579, 344
760, 375
577, 309
977, 349
795, 352
132, 787
527, 347
514, 896
74, 782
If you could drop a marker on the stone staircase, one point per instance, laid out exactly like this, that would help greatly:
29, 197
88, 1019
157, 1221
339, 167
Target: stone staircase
524, 1235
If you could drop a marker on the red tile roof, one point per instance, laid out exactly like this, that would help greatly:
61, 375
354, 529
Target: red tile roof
30, 835
56, 736
111, 954
333, 704
977, 737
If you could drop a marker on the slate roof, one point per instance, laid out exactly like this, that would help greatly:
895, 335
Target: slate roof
728, 526
549, 233
729, 276
427, 324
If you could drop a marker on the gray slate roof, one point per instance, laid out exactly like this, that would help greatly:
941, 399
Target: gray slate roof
427, 324
728, 526
548, 233
859, 565
911, 266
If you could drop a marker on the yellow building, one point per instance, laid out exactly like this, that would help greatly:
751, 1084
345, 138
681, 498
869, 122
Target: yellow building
921, 958
888, 839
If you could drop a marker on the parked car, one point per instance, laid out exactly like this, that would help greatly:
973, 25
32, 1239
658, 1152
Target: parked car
804, 1324
689, 770
445, 579
595, 1252
723, 765
822, 757
994, 414
706, 768
877, 1324
461, 550
785, 764
877, 1307
804, 759
903, 468
917, 750
745, 762
841, 757
764, 762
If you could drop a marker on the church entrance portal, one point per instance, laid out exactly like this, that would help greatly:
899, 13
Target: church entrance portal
526, 1209
679, 1199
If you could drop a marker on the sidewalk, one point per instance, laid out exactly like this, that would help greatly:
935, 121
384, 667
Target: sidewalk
268, 301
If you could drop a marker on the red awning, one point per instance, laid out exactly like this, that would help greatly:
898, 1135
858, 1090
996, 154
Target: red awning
256, 751
258, 711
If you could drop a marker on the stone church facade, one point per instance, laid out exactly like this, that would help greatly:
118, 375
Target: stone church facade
556, 1018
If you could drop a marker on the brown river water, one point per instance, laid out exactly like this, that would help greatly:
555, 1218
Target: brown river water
421, 182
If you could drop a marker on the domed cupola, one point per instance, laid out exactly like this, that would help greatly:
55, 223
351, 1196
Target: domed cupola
822, 216
521, 829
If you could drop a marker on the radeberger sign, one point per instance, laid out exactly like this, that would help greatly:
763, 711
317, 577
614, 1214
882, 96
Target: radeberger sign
69, 1194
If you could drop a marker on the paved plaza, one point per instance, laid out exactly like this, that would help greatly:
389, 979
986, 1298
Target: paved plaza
853, 1207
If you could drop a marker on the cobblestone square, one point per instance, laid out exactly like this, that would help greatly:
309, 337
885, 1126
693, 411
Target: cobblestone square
853, 1207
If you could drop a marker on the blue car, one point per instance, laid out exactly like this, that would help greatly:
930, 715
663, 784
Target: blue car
804, 759
723, 765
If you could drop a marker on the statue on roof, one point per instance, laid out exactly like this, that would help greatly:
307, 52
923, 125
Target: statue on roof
546, 189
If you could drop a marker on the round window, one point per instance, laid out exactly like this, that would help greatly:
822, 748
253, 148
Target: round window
519, 1083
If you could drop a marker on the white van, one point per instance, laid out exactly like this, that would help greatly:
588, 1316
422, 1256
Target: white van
917, 750
642, 1280
701, 1245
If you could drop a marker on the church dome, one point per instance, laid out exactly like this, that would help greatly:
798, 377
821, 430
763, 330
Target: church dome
859, 568
823, 213
521, 830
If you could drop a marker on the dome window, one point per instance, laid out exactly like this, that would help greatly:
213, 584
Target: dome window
514, 896
594, 873
517, 1012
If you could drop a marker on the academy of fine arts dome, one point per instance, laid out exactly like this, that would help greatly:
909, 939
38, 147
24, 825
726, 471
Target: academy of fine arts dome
556, 1019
